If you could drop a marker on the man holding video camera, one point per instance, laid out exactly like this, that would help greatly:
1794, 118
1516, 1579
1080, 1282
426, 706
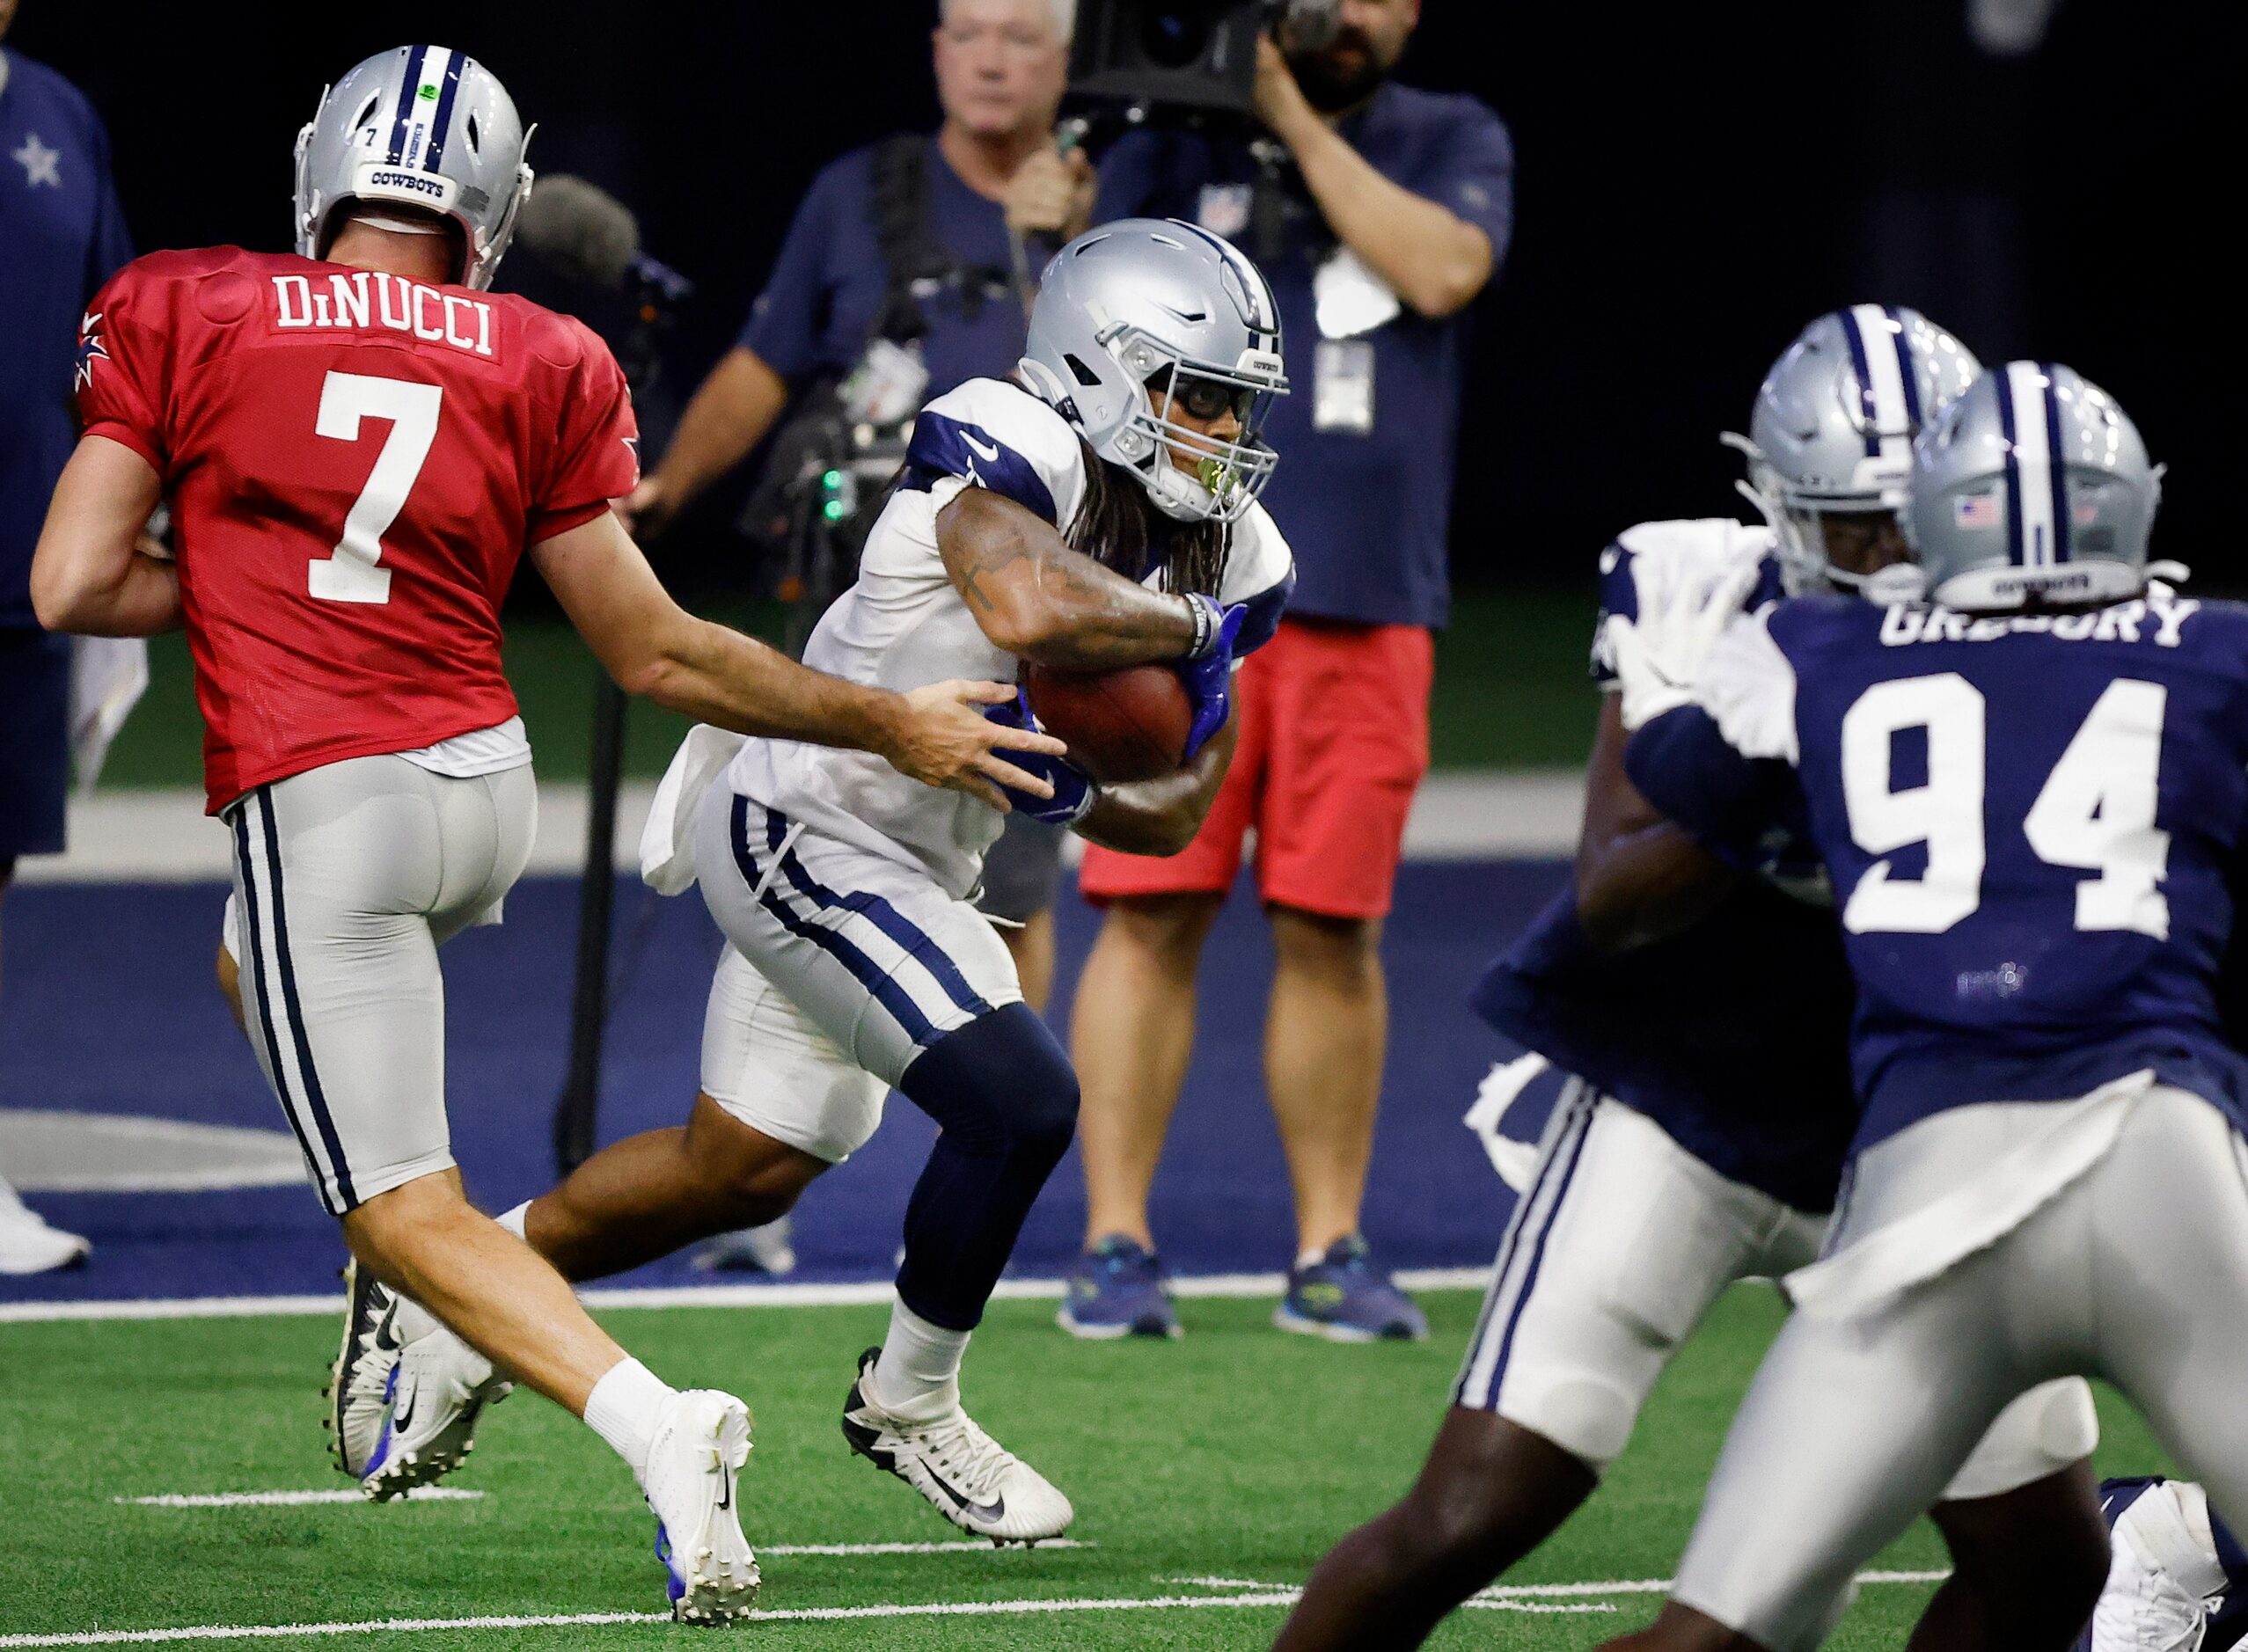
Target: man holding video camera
1379, 213
905, 274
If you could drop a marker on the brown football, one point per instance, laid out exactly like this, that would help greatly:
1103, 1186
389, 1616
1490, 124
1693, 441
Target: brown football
1121, 725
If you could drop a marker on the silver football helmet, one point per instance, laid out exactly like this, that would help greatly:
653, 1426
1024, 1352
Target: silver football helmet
2032, 486
1835, 423
1139, 319
424, 127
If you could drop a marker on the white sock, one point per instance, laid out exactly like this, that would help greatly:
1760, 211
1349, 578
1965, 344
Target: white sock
622, 1409
919, 1374
513, 1220
415, 1321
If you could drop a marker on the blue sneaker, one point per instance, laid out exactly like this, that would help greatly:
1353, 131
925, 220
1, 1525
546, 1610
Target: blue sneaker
1117, 1289
1345, 1298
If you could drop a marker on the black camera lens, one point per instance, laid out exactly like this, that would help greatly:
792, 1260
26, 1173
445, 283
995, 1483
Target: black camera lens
1174, 37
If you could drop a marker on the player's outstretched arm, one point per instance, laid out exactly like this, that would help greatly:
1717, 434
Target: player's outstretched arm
655, 649
1160, 816
1639, 877
1041, 601
88, 576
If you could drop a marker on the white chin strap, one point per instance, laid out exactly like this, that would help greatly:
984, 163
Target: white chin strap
396, 226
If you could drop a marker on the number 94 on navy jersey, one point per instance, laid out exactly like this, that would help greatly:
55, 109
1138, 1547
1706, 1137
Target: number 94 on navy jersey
2029, 821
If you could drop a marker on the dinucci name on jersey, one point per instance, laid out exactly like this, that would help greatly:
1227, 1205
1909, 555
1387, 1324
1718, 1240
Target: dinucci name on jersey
360, 300
1904, 626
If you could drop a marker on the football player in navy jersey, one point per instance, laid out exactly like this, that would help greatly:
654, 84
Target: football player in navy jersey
2028, 790
1710, 1091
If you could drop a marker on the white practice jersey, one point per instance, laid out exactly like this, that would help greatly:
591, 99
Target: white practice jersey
902, 626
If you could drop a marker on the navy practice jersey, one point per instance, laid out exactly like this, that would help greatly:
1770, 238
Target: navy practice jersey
61, 235
2029, 821
1734, 1036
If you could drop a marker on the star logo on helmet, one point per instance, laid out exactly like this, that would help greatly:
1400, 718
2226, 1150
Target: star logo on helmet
91, 348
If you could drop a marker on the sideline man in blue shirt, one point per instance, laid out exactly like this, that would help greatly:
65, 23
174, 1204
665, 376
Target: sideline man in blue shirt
994, 177
1395, 213
61, 235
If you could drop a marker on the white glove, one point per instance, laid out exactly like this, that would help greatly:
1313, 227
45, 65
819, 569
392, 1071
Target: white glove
1658, 656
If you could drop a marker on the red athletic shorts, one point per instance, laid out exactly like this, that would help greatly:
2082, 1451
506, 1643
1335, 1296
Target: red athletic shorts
1334, 739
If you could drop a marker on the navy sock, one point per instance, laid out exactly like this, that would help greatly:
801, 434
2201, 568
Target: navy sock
1005, 1097
2230, 1553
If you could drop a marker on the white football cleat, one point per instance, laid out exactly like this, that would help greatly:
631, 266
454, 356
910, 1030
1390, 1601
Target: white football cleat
28, 1245
2164, 1573
437, 1391
359, 1380
694, 1468
962, 1470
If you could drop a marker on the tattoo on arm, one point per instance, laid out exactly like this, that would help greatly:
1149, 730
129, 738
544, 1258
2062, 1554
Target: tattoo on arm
989, 557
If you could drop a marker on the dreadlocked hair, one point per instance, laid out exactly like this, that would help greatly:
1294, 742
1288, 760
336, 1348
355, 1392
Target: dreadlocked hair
1118, 526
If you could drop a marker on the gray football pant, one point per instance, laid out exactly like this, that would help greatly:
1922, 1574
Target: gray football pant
347, 880
2137, 1272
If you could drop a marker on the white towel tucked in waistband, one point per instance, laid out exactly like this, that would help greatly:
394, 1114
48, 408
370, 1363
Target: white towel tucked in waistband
1867, 1271
667, 843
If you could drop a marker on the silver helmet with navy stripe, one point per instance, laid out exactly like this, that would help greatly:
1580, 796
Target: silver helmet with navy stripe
2032, 487
1141, 320
1833, 430
420, 125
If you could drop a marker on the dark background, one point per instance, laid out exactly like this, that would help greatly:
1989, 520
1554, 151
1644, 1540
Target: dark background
1695, 183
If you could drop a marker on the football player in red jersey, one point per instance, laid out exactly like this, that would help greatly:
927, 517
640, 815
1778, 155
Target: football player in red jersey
358, 444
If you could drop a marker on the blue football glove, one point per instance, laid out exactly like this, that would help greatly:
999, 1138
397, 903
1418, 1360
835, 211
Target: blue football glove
1075, 793
1209, 677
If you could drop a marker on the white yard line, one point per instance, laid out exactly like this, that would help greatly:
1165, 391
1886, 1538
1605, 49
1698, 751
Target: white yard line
776, 1294
804, 1614
1490, 1600
287, 1498
447, 1494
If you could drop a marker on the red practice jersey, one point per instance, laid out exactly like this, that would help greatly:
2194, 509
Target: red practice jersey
354, 463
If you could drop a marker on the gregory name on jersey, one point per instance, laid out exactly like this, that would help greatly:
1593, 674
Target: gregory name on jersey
364, 299
1905, 624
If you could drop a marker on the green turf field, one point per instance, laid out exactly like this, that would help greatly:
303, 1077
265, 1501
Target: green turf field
1202, 1470
1510, 693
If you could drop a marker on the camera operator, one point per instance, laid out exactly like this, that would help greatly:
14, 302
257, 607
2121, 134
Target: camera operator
1379, 212
903, 271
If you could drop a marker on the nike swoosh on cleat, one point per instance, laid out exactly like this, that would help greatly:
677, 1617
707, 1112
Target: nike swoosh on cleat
403, 1415
996, 1509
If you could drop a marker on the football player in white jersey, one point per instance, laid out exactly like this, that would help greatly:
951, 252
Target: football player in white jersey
1096, 511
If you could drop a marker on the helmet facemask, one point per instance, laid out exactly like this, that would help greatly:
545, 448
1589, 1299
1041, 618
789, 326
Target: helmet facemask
1221, 477
1832, 432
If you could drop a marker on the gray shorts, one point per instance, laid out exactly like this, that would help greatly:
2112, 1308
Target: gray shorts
2134, 1270
1617, 1248
347, 880
1022, 870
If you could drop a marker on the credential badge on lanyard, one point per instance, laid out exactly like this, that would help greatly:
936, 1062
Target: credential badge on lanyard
1351, 302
